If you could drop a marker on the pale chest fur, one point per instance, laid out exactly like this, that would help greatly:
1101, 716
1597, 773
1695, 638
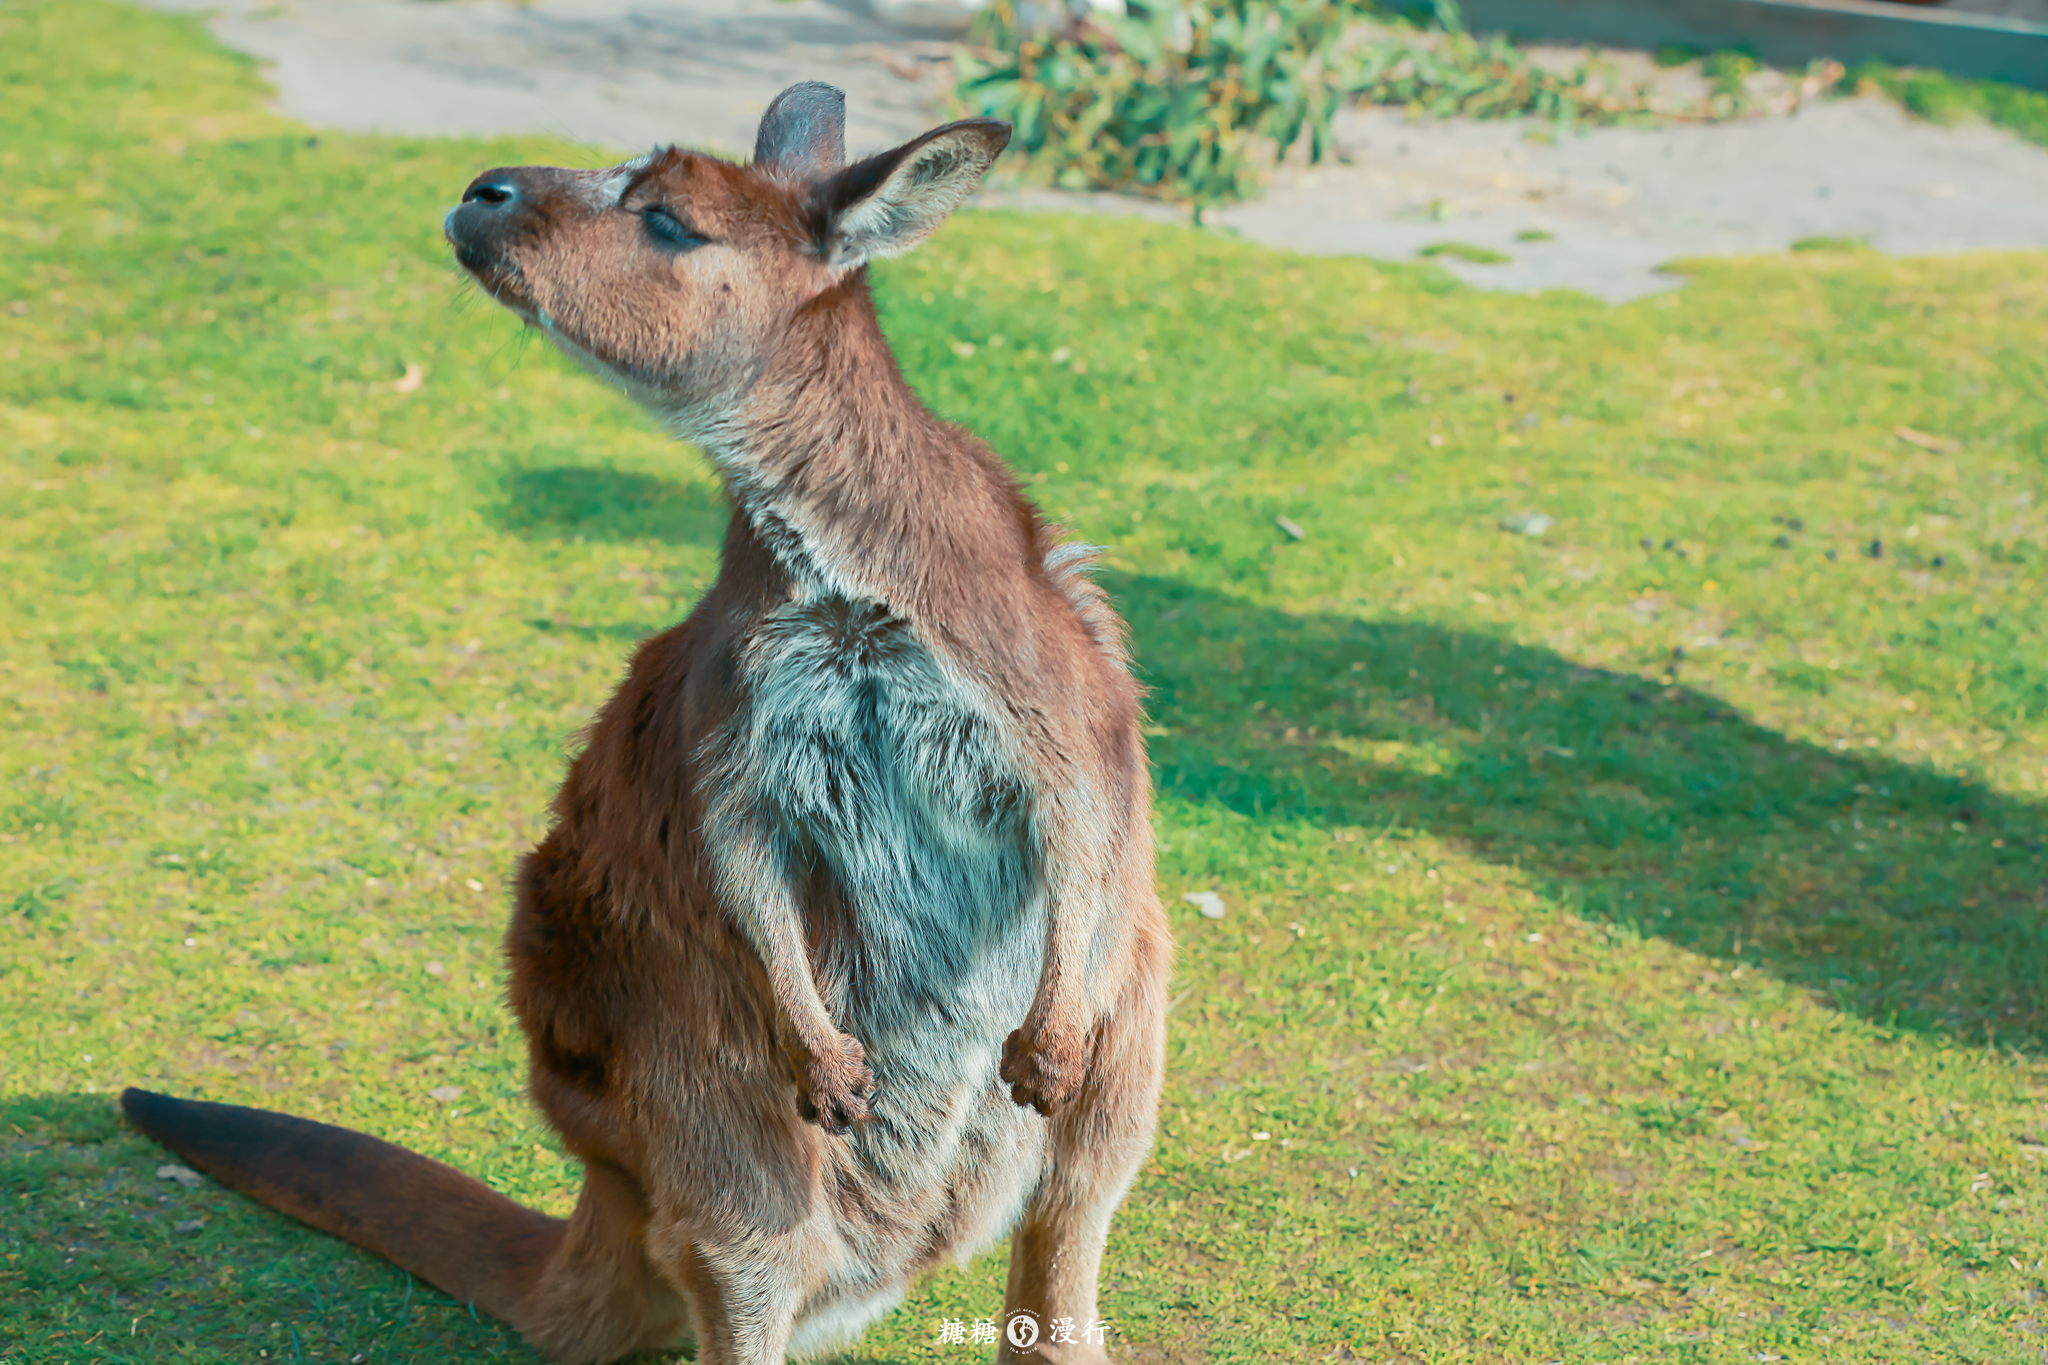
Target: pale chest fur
887, 802
894, 809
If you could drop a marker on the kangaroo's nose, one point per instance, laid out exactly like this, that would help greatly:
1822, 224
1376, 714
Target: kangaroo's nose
495, 191
502, 209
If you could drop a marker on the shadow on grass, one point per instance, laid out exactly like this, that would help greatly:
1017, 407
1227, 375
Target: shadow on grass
596, 502
1911, 898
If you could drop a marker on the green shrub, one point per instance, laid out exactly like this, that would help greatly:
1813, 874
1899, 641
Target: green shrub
1169, 101
1726, 73
1185, 102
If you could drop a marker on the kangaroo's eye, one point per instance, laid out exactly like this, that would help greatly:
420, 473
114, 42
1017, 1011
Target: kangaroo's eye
670, 230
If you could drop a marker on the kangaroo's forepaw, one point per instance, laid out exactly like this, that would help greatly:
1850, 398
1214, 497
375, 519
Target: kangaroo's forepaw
1043, 1069
834, 1091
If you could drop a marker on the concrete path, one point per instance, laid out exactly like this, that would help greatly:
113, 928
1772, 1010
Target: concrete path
620, 75
625, 74
1620, 201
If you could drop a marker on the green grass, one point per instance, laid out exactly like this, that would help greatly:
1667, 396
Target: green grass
1832, 244
1942, 98
1465, 251
1635, 936
1535, 235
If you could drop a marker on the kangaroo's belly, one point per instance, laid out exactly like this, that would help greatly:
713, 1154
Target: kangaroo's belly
906, 829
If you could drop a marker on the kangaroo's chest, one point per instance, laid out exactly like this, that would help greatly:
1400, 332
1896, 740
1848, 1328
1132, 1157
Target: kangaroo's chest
865, 746
904, 824
887, 784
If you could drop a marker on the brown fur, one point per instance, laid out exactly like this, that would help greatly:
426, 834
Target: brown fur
696, 1048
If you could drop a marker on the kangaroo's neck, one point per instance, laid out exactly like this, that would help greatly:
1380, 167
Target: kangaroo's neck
852, 483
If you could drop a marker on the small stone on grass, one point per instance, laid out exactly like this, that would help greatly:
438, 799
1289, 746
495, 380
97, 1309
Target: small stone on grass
1940, 445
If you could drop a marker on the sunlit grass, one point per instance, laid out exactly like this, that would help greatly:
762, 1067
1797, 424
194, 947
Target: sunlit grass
1634, 944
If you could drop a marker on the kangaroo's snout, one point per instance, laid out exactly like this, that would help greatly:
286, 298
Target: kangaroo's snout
502, 208
476, 226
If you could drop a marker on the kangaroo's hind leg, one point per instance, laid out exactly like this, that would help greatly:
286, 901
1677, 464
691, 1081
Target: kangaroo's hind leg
1099, 1140
599, 1296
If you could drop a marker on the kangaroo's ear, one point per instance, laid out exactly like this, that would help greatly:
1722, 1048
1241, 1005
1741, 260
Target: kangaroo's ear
804, 132
887, 204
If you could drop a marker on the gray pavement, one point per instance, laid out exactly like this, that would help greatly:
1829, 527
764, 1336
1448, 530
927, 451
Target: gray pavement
625, 74
615, 74
1620, 201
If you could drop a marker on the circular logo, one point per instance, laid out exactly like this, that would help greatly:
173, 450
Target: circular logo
1022, 1332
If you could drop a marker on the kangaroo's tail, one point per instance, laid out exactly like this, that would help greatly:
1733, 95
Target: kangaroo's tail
452, 1231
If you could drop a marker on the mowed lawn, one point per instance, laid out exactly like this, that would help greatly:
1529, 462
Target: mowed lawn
1634, 945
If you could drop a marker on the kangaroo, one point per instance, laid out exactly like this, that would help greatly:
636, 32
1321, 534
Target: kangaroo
842, 954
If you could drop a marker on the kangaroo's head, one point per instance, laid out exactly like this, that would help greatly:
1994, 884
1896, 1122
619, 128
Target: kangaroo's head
678, 273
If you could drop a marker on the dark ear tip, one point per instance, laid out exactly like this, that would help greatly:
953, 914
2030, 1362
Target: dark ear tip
993, 131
